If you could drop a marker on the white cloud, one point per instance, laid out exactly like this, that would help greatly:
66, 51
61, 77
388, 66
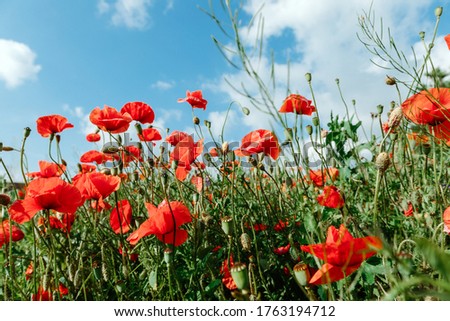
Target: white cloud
163, 85
17, 63
132, 14
323, 41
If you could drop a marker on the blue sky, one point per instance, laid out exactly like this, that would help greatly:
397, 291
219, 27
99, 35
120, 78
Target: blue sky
67, 57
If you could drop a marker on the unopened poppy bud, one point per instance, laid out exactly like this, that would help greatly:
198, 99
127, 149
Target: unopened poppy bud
337, 81
5, 199
246, 242
422, 35
138, 128
52, 136
58, 138
288, 134
382, 161
110, 149
426, 148
309, 130
63, 162
380, 109
390, 81
253, 161
261, 166
301, 273
26, 132
105, 171
119, 139
246, 111
196, 120
168, 256
315, 121
139, 145
308, 77
6, 149
239, 273
227, 225
207, 123
293, 252
225, 148
438, 11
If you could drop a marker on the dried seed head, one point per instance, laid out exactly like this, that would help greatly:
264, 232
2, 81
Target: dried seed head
395, 117
382, 161
246, 242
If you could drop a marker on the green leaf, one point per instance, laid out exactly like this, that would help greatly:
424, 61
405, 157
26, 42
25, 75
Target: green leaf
437, 258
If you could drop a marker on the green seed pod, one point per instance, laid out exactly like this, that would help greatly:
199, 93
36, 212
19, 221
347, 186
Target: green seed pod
309, 130
227, 225
246, 111
207, 123
138, 128
308, 77
438, 11
168, 256
315, 121
301, 273
26, 132
239, 273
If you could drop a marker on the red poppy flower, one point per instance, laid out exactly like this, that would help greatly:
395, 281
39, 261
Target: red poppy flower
410, 211
441, 131
446, 219
94, 156
297, 104
29, 271
46, 194
447, 40
330, 197
110, 120
164, 222
428, 107
281, 225
214, 152
227, 279
195, 99
131, 154
149, 135
7, 231
342, 254
282, 250
319, 177
52, 124
96, 186
259, 141
62, 222
139, 111
176, 136
120, 217
48, 169
185, 153
93, 137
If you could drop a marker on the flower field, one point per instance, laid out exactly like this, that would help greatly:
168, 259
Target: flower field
188, 216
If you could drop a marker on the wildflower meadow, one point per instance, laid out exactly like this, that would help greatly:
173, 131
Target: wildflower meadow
190, 216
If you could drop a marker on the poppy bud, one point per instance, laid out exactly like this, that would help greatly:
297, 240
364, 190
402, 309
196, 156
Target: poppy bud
6, 149
207, 123
196, 120
422, 35
308, 77
26, 132
438, 11
58, 138
293, 252
309, 130
315, 121
337, 81
380, 109
246, 111
240, 275
301, 273
426, 148
105, 171
5, 199
288, 134
138, 128
168, 256
227, 225
110, 149
382, 161
246, 242
253, 161
390, 81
